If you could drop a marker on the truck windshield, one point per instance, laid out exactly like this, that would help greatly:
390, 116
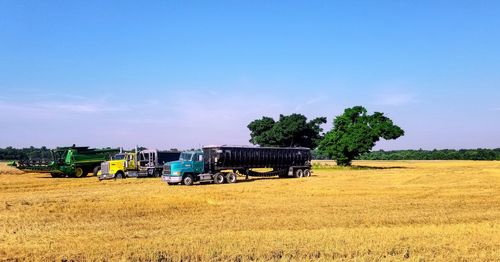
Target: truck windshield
119, 157
186, 156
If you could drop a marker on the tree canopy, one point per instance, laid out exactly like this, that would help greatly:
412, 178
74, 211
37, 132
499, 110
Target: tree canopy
355, 132
289, 131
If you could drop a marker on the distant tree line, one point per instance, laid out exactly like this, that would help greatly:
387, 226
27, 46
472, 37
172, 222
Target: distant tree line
444, 154
10, 153
352, 136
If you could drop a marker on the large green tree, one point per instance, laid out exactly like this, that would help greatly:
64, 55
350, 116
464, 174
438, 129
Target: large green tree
292, 130
355, 132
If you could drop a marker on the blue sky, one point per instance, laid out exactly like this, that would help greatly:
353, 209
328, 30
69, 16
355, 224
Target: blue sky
186, 73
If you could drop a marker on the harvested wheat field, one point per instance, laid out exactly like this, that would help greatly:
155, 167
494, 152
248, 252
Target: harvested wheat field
413, 210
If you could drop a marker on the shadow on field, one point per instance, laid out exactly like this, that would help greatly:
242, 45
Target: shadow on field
240, 180
77, 178
251, 179
359, 167
377, 167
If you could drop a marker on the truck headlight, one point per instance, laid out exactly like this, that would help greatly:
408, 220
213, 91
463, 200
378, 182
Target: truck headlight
177, 173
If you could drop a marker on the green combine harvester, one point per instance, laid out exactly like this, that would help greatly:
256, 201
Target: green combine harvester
69, 161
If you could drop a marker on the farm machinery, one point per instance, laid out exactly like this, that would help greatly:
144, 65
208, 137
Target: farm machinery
69, 161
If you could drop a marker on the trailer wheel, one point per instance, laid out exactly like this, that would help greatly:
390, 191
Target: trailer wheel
218, 178
298, 173
231, 178
96, 170
79, 172
187, 180
307, 173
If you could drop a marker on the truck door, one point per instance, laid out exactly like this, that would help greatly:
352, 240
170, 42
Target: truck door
198, 163
131, 161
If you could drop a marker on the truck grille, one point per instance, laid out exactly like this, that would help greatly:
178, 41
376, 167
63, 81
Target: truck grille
166, 170
105, 168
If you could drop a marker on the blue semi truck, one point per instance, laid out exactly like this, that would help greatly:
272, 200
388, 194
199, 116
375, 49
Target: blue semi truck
223, 164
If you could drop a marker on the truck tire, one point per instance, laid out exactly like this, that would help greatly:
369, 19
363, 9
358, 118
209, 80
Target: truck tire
218, 178
187, 180
307, 173
79, 172
96, 170
298, 173
231, 178
119, 175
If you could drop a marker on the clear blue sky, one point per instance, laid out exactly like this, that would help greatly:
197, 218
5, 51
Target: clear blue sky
186, 73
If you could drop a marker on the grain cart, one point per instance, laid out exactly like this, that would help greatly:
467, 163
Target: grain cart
221, 164
145, 163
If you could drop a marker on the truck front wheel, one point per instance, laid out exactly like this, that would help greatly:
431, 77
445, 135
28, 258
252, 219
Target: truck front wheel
96, 170
187, 180
119, 175
307, 173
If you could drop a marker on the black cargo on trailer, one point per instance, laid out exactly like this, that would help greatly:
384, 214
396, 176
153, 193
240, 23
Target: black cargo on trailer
167, 156
241, 158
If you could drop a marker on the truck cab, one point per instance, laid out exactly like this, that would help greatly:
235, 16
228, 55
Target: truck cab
118, 166
145, 163
189, 166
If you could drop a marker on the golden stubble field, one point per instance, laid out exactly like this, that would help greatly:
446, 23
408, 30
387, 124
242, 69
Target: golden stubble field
400, 210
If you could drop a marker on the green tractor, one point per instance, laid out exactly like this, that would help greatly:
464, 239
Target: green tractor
70, 161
